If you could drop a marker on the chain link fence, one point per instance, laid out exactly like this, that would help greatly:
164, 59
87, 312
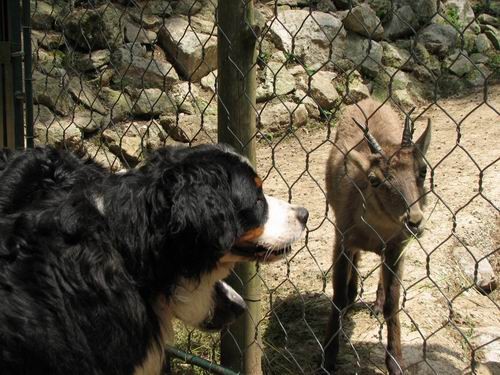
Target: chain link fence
114, 79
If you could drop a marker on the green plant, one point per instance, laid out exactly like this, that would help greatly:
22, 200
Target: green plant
453, 17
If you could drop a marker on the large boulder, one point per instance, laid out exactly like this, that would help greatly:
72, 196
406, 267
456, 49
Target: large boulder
274, 80
138, 71
365, 53
52, 93
194, 54
312, 34
94, 28
403, 23
82, 93
90, 61
438, 39
43, 14
151, 102
364, 21
323, 90
278, 116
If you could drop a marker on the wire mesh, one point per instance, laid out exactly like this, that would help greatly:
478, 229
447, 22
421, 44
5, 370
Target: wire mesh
117, 78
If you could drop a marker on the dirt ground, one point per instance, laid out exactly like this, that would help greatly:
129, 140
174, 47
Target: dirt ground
441, 313
444, 319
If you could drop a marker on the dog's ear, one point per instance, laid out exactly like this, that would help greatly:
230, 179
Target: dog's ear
202, 215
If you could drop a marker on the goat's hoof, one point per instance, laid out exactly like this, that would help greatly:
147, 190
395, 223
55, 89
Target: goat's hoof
376, 309
394, 367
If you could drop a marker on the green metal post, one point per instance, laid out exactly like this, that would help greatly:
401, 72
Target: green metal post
240, 349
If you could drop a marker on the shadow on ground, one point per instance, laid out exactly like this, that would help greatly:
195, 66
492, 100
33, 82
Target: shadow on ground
293, 338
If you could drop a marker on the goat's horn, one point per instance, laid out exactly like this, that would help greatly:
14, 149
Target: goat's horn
372, 142
407, 131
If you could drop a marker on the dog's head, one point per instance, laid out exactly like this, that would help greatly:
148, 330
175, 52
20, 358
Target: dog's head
218, 216
218, 211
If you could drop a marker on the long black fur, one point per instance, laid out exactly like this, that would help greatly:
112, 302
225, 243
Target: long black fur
78, 284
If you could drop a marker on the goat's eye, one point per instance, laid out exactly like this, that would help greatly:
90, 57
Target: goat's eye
374, 180
422, 172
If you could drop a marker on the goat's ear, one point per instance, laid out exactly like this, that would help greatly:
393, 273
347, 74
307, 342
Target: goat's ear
425, 139
359, 160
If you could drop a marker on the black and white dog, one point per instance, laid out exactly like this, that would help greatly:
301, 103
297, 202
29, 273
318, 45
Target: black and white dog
94, 266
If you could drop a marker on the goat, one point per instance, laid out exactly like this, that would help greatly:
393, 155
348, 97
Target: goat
375, 186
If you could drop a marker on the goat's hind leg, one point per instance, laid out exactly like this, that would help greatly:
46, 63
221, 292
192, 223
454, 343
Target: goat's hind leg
391, 276
341, 275
352, 288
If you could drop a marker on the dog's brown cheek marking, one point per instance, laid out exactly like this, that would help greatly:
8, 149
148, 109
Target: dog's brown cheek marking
258, 181
250, 236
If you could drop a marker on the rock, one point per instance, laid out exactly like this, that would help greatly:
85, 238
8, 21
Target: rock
389, 80
381, 7
478, 76
91, 61
300, 97
275, 80
486, 19
424, 10
83, 94
136, 71
159, 8
438, 39
51, 92
87, 122
43, 15
50, 130
403, 99
319, 33
345, 4
188, 7
458, 12
363, 20
51, 63
175, 130
128, 147
486, 338
403, 23
188, 128
493, 35
148, 21
396, 57
94, 28
479, 58
483, 43
209, 81
193, 54
369, 58
471, 258
151, 102
119, 103
353, 90
102, 156
50, 40
323, 90
188, 98
277, 116
459, 63
138, 34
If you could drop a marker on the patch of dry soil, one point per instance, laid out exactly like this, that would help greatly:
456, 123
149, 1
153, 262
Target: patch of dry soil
443, 317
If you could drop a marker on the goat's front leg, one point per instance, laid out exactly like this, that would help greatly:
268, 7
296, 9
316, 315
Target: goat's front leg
341, 276
392, 271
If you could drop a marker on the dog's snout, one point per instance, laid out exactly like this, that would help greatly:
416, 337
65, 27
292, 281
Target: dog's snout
302, 215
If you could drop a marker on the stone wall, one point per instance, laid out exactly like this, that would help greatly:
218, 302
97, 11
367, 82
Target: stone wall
118, 77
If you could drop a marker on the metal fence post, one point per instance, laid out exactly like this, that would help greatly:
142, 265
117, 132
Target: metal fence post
11, 76
240, 349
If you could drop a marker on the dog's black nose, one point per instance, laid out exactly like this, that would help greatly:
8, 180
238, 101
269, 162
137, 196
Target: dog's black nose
302, 215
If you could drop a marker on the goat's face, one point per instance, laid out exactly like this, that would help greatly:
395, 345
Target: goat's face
394, 183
